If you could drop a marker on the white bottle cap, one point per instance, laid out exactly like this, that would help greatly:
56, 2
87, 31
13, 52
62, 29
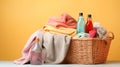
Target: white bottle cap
96, 24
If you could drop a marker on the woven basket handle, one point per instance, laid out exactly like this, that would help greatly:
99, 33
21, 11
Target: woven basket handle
107, 35
111, 34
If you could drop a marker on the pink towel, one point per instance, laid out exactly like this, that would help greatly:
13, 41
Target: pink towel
64, 20
27, 49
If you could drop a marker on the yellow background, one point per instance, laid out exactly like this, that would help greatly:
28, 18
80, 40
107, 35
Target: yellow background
20, 18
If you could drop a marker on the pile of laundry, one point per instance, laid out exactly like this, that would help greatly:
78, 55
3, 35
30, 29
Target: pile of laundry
50, 44
54, 41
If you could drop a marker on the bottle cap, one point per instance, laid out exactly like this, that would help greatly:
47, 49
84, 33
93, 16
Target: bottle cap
36, 47
37, 39
80, 14
89, 15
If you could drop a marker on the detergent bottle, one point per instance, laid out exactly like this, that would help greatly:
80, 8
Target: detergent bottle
80, 24
89, 25
36, 54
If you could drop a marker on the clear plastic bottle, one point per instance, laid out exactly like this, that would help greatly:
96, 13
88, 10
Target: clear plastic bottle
89, 25
80, 24
36, 54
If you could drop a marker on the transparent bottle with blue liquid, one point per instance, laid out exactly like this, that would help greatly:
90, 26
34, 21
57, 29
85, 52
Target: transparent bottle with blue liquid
80, 24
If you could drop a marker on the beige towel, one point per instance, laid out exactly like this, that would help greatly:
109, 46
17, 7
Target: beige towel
56, 47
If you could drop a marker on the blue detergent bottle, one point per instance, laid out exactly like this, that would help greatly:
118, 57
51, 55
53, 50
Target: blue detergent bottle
80, 24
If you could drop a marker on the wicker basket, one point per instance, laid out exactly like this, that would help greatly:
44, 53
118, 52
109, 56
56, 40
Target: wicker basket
88, 50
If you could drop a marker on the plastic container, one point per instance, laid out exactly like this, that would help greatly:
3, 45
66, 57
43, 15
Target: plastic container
80, 24
89, 25
37, 56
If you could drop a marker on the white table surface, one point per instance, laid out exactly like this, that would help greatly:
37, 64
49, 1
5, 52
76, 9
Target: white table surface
108, 64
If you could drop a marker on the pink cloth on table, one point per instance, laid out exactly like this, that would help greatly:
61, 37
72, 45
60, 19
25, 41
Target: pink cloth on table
64, 20
26, 52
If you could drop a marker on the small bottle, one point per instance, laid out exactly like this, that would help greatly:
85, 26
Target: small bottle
80, 24
89, 25
36, 54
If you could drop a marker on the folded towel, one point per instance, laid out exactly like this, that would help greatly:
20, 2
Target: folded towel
61, 30
64, 20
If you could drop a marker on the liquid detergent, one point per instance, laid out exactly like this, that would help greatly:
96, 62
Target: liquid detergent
89, 25
80, 24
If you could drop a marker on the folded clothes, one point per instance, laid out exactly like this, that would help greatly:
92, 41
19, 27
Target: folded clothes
61, 30
64, 20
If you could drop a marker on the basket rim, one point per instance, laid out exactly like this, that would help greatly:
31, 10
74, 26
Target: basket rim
91, 38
